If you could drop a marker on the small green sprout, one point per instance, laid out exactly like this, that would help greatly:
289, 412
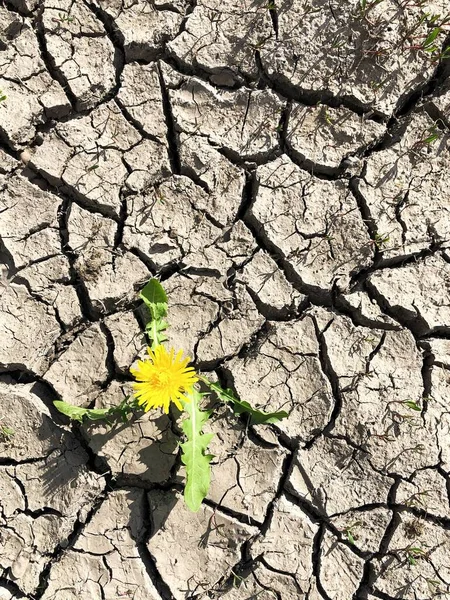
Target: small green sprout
65, 18
2, 96
6, 433
350, 532
338, 42
238, 580
327, 117
381, 240
414, 553
418, 499
412, 405
433, 137
376, 85
429, 137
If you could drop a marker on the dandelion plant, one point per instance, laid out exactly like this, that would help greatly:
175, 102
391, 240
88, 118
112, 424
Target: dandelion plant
165, 377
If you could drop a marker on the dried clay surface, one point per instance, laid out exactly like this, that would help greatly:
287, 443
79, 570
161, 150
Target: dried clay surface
283, 168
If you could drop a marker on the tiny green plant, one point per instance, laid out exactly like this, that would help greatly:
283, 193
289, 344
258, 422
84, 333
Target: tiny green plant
62, 18
414, 553
350, 532
2, 96
413, 405
6, 433
418, 499
381, 240
429, 137
165, 377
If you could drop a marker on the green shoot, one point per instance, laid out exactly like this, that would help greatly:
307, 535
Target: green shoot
6, 432
381, 240
350, 532
412, 405
414, 553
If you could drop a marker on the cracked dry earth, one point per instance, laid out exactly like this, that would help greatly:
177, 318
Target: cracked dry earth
283, 168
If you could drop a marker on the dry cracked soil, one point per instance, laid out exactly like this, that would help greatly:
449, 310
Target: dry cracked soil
283, 167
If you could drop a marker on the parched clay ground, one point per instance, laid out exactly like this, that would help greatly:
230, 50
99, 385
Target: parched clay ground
284, 168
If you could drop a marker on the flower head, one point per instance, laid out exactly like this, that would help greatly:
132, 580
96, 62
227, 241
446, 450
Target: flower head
162, 379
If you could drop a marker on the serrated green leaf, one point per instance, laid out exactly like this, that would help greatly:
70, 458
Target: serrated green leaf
194, 457
155, 298
76, 413
257, 417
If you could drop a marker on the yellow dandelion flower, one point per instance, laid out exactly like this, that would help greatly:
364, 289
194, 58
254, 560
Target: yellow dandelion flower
162, 379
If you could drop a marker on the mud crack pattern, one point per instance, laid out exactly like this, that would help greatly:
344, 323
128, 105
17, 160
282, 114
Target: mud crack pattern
283, 167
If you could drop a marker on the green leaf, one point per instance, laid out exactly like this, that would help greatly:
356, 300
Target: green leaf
6, 431
350, 538
155, 298
413, 405
154, 329
194, 457
431, 37
257, 417
76, 413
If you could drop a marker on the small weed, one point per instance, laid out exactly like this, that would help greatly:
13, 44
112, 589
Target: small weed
6, 433
435, 587
418, 499
327, 117
338, 42
430, 136
414, 553
381, 240
2, 96
237, 580
160, 197
436, 24
412, 405
350, 532
62, 18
